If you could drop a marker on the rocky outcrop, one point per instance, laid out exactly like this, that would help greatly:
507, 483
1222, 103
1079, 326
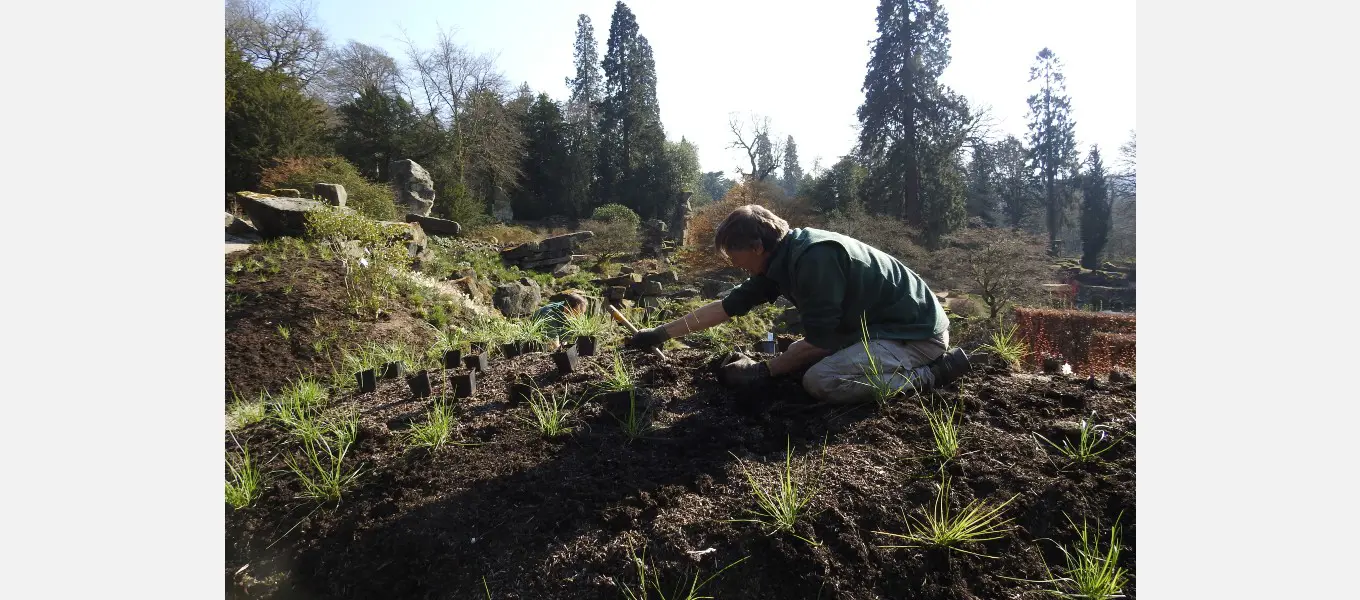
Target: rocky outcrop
550, 252
274, 216
414, 187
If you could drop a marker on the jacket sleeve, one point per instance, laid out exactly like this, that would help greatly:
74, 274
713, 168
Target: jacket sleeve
753, 292
819, 284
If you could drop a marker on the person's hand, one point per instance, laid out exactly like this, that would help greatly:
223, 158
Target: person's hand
740, 371
646, 339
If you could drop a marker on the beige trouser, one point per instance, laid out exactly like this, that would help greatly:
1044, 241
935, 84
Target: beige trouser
841, 376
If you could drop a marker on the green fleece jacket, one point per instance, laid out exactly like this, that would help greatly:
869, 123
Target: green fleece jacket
834, 280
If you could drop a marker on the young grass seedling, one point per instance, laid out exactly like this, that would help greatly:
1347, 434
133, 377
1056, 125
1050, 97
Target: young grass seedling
977, 522
551, 415
242, 414
654, 584
1089, 442
585, 324
284, 332
945, 430
1006, 346
779, 508
323, 474
638, 421
1091, 573
619, 378
874, 377
435, 432
243, 481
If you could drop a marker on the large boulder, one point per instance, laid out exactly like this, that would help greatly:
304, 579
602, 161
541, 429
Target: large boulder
333, 193
565, 270
414, 187
435, 226
238, 227
417, 244
517, 299
277, 217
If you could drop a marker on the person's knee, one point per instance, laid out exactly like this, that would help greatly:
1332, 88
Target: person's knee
815, 383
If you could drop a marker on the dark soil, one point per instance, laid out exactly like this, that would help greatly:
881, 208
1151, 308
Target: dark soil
307, 296
543, 519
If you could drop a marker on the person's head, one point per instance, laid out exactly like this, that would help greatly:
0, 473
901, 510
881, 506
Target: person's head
575, 303
748, 235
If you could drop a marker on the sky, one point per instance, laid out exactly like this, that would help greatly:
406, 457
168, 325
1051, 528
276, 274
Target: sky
800, 63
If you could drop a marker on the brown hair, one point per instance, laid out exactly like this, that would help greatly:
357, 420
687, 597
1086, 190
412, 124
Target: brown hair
576, 303
750, 227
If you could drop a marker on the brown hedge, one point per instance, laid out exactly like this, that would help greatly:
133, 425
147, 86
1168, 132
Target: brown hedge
1072, 334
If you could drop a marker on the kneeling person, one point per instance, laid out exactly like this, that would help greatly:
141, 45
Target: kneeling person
834, 280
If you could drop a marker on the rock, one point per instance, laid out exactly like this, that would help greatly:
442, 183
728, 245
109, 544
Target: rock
286, 193
1052, 364
684, 293
517, 299
649, 288
277, 217
236, 226
626, 270
333, 193
501, 209
623, 280
650, 302
414, 187
545, 262
1120, 375
471, 288
566, 241
565, 270
435, 226
521, 251
665, 278
417, 244
615, 292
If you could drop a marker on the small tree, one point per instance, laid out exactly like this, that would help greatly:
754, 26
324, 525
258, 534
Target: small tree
1095, 212
616, 232
1001, 266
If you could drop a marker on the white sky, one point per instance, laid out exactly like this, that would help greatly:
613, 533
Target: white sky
801, 63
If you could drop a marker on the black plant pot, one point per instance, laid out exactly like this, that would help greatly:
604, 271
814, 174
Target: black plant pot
585, 345
616, 403
368, 381
783, 342
464, 386
528, 346
453, 359
520, 391
420, 384
510, 350
476, 362
393, 370
566, 359
478, 347
766, 347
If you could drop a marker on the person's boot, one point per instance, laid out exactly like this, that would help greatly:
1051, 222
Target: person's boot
950, 366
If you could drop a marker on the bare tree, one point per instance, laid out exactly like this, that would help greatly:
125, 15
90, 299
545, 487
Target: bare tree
999, 265
765, 154
448, 74
356, 66
283, 38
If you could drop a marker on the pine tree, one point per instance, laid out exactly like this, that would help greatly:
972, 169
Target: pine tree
583, 116
632, 168
902, 93
267, 118
1095, 211
374, 130
1014, 180
1052, 143
543, 182
793, 172
982, 196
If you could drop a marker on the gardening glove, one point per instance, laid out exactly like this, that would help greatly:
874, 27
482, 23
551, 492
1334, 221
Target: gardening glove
648, 338
740, 371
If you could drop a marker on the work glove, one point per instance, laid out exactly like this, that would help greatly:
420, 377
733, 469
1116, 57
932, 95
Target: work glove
646, 339
738, 370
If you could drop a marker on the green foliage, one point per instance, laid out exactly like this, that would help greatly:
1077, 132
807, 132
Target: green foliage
793, 172
1092, 441
1091, 573
616, 213
543, 189
373, 200
977, 522
267, 118
587, 324
371, 279
1007, 346
612, 238
619, 378
243, 480
632, 167
944, 428
551, 415
1052, 136
242, 413
378, 128
839, 186
781, 506
1095, 212
322, 470
436, 431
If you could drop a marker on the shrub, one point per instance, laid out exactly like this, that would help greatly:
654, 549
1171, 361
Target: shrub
1000, 266
371, 278
612, 238
1069, 333
374, 200
616, 213
1109, 350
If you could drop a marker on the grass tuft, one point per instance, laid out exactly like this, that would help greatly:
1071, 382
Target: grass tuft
243, 480
1092, 441
619, 378
944, 427
977, 522
646, 586
874, 378
436, 431
1007, 346
550, 415
322, 471
243, 414
638, 421
780, 507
